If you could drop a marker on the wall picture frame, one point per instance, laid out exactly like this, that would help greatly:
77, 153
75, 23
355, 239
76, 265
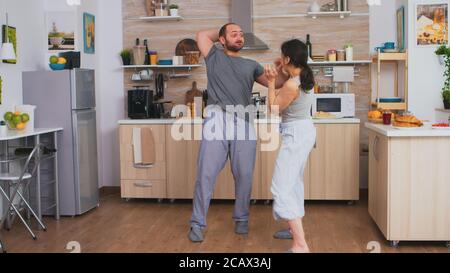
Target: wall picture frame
89, 33
12, 38
431, 24
60, 30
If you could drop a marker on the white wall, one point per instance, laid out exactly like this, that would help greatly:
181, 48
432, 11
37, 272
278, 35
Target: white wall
27, 17
111, 92
29, 49
383, 29
425, 73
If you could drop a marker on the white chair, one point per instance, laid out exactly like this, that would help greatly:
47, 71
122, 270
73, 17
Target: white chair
14, 182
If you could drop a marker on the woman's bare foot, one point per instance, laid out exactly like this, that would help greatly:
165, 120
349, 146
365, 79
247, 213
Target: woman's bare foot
300, 250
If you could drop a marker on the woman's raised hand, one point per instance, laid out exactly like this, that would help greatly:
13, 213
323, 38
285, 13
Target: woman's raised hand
270, 72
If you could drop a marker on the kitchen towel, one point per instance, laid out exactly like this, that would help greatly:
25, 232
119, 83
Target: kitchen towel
137, 155
143, 147
343, 74
147, 147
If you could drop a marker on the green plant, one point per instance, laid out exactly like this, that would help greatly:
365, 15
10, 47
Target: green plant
348, 45
443, 50
173, 6
125, 54
55, 33
446, 95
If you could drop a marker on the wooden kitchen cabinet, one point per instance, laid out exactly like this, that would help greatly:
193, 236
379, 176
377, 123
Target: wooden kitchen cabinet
378, 178
138, 182
182, 156
409, 187
332, 170
334, 163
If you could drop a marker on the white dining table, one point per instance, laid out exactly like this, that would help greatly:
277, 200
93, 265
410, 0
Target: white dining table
36, 134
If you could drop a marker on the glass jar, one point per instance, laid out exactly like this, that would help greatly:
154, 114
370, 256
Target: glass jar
341, 55
191, 57
161, 10
332, 55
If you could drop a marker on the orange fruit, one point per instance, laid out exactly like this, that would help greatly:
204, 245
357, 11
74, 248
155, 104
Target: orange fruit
20, 126
62, 60
17, 113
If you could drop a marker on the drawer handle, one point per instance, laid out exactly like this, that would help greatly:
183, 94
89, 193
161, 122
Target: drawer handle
143, 184
143, 166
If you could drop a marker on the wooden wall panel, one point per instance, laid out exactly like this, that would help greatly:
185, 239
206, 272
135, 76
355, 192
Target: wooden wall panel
204, 14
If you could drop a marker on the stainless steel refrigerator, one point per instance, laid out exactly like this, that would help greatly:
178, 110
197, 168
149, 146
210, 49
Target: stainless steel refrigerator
66, 99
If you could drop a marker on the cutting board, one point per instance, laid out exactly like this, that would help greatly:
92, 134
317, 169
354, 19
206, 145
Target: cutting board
186, 45
194, 92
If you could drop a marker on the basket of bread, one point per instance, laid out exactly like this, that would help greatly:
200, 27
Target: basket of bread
407, 120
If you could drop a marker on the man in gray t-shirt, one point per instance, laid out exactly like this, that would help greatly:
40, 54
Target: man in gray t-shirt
230, 83
230, 79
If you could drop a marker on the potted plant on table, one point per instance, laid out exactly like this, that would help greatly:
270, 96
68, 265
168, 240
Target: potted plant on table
444, 55
126, 56
173, 10
446, 98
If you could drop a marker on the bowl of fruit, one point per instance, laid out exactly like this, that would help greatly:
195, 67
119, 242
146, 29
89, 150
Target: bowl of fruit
57, 63
16, 120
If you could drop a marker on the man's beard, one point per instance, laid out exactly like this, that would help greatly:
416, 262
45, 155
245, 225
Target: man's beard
233, 48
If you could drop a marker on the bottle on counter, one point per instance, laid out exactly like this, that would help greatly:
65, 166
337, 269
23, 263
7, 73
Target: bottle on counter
309, 45
3, 128
147, 53
138, 53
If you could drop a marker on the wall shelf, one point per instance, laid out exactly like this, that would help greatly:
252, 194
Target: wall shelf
326, 63
390, 106
380, 58
158, 18
161, 66
341, 14
390, 57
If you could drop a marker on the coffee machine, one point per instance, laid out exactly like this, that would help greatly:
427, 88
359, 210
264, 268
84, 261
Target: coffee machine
140, 101
142, 104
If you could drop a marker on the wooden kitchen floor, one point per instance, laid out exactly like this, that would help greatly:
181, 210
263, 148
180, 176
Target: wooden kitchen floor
147, 226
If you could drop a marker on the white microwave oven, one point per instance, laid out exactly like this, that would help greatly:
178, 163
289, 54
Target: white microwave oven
342, 105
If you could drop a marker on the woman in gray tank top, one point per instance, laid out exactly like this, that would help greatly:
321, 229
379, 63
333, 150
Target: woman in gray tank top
293, 101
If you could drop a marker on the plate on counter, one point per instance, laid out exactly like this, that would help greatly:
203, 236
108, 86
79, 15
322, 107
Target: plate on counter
407, 128
386, 50
390, 100
331, 117
443, 126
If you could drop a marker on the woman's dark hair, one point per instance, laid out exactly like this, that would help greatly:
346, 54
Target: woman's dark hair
297, 51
